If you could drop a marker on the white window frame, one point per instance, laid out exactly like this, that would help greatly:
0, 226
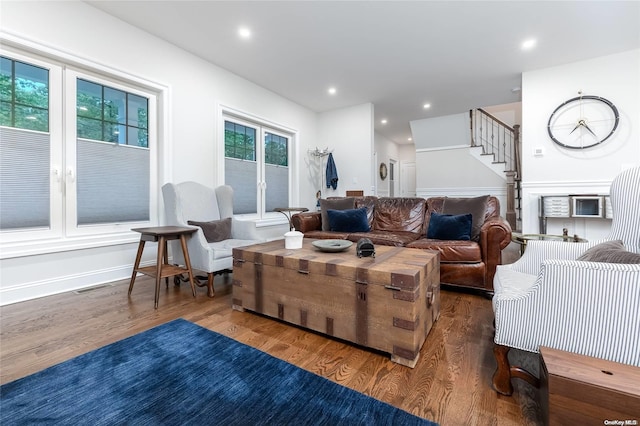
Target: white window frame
55, 133
30, 242
263, 126
72, 229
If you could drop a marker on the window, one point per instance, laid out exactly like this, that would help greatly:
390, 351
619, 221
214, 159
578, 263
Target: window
111, 115
26, 143
275, 150
239, 141
56, 187
24, 95
112, 156
256, 166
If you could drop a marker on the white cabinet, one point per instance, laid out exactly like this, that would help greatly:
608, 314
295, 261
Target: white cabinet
553, 206
570, 206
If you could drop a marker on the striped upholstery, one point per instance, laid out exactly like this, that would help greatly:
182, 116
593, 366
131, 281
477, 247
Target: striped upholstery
625, 200
547, 298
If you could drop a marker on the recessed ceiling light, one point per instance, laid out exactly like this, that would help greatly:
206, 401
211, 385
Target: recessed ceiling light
426, 106
244, 32
332, 90
409, 139
528, 44
383, 121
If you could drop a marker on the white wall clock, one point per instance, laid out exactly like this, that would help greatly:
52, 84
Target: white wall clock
583, 122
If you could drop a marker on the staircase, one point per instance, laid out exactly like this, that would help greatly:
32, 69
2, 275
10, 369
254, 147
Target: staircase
500, 144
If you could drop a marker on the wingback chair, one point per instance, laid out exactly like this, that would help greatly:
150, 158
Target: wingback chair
549, 298
191, 201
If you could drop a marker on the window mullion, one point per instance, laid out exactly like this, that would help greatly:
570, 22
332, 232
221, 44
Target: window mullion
262, 186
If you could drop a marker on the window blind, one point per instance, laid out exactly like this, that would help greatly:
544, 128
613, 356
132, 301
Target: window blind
112, 183
25, 166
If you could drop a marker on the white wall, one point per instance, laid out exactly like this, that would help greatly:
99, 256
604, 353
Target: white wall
196, 90
444, 164
348, 132
509, 114
449, 130
454, 172
407, 152
589, 171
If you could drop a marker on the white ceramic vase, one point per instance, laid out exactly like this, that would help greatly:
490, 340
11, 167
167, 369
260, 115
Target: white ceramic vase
293, 239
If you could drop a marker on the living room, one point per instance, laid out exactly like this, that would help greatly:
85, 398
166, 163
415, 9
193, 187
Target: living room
194, 94
110, 259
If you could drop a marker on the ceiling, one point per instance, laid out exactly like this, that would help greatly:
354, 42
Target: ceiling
454, 55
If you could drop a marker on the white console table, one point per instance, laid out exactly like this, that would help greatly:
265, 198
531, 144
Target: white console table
573, 206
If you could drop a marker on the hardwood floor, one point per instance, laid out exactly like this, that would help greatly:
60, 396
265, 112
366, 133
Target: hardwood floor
451, 383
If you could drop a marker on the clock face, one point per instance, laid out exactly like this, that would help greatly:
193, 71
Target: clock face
583, 122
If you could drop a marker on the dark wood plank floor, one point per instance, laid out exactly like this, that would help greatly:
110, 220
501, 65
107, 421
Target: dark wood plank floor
450, 384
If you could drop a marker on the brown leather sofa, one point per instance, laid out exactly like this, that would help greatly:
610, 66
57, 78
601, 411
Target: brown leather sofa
404, 222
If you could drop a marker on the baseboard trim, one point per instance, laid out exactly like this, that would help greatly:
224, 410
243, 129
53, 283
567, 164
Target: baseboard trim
461, 192
64, 284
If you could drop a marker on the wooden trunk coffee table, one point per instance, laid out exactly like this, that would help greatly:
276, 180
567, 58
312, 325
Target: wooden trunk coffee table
388, 303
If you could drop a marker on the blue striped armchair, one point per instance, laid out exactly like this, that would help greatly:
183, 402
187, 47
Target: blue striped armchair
549, 298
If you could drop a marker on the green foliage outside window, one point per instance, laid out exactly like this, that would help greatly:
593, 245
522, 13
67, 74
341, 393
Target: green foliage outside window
239, 141
111, 115
275, 150
24, 95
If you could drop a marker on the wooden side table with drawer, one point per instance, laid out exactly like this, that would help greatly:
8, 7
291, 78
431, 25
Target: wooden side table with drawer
162, 268
582, 390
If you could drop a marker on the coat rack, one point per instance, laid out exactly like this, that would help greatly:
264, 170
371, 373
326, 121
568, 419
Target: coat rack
320, 154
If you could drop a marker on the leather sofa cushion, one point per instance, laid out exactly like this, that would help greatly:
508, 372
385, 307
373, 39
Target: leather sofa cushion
399, 214
476, 206
454, 251
436, 204
326, 235
385, 238
369, 202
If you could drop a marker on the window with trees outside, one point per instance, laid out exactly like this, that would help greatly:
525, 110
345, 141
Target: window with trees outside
95, 183
256, 166
25, 145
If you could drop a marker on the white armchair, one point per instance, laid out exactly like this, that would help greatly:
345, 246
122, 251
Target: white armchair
548, 298
191, 201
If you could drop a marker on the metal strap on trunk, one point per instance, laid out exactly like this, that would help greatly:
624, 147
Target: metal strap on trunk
258, 282
330, 326
406, 324
362, 314
409, 354
303, 266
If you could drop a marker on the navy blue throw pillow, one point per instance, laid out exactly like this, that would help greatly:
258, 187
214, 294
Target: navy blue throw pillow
352, 220
449, 227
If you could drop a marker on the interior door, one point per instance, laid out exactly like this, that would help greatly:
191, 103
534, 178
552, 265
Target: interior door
408, 179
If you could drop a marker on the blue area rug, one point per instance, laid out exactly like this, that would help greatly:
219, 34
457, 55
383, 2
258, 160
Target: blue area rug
181, 374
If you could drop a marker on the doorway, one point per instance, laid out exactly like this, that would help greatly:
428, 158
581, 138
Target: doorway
393, 182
